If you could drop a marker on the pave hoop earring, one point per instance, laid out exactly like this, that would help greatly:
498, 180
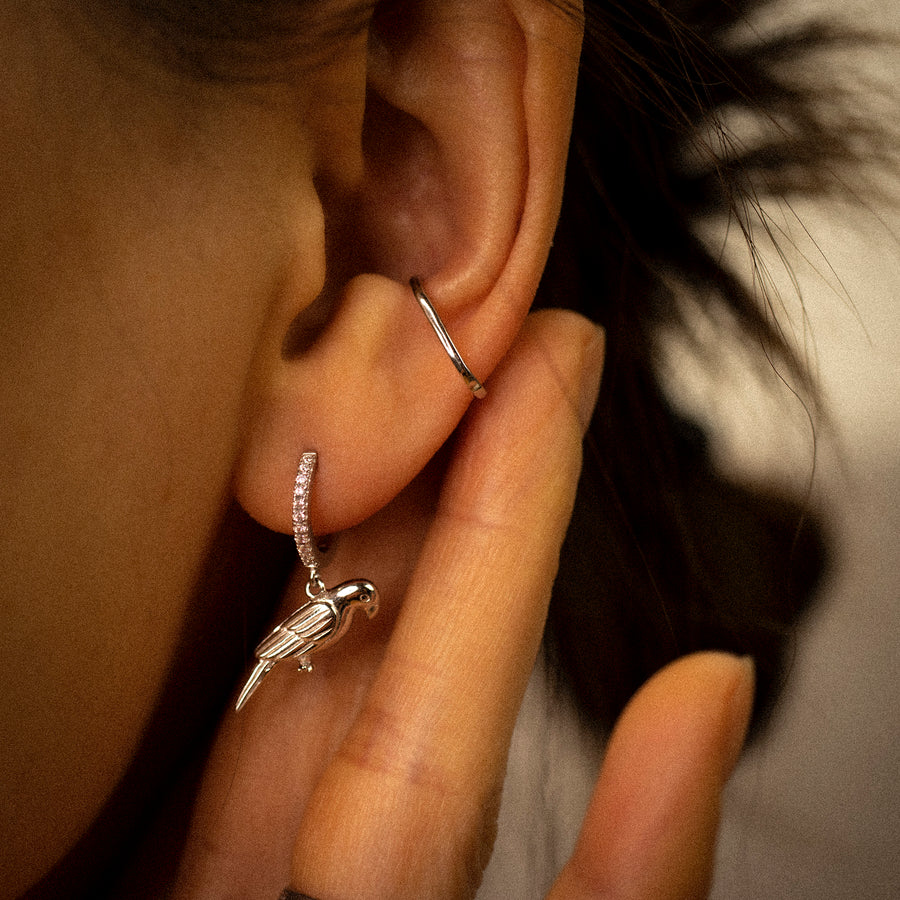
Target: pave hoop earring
325, 618
474, 385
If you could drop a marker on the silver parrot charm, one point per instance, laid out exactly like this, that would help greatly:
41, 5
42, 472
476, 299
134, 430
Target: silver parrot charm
326, 617
313, 627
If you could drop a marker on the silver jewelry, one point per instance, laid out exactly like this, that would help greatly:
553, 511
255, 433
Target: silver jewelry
326, 617
474, 385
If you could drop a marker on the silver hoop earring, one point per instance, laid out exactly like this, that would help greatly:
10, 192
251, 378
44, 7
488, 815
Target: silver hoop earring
474, 385
325, 618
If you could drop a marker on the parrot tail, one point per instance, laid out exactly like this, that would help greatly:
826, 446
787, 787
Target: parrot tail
263, 667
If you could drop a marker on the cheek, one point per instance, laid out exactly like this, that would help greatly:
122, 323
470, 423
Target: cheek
142, 251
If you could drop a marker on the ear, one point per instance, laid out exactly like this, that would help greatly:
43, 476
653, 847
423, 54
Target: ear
464, 134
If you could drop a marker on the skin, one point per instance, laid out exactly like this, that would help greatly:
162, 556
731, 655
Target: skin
178, 325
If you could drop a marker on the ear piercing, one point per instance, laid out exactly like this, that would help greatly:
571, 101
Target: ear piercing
326, 617
474, 385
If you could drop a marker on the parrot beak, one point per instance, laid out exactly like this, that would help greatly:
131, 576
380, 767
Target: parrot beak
371, 605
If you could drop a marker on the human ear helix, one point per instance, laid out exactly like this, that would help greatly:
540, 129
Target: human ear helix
325, 618
474, 385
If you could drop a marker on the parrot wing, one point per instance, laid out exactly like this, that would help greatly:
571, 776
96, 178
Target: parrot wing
301, 630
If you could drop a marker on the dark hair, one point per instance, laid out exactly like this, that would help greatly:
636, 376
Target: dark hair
665, 556
234, 41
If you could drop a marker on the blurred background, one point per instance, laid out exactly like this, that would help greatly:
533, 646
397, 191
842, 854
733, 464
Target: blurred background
814, 810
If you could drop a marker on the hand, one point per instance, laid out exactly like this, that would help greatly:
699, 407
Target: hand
389, 768
650, 829
415, 788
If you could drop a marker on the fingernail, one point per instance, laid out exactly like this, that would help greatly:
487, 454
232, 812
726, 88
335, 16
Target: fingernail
591, 372
740, 708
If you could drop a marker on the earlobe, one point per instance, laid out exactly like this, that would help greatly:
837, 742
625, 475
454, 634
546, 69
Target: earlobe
464, 137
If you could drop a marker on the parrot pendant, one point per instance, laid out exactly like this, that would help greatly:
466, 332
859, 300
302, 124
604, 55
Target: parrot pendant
326, 617
313, 627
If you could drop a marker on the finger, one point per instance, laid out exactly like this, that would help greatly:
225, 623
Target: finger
415, 784
650, 829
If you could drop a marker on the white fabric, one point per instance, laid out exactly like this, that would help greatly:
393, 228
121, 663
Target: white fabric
551, 772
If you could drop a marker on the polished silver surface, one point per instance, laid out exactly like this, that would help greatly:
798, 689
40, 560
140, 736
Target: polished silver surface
474, 385
310, 629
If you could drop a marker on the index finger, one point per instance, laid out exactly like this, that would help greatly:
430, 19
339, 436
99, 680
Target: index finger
413, 789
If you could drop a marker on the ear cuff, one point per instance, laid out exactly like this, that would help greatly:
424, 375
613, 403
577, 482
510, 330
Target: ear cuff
474, 385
